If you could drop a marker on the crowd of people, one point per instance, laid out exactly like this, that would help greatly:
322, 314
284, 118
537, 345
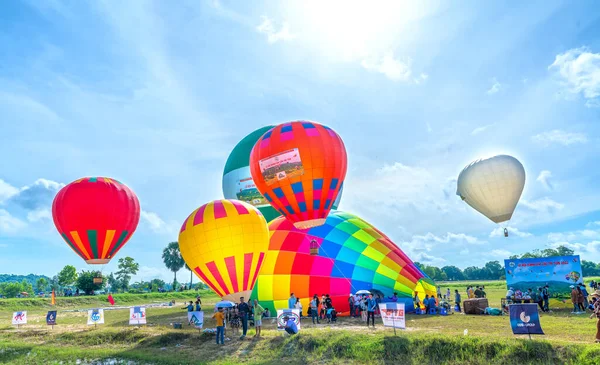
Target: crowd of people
541, 297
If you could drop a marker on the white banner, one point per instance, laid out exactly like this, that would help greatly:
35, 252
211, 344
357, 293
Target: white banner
137, 315
95, 316
292, 313
19, 318
196, 319
392, 315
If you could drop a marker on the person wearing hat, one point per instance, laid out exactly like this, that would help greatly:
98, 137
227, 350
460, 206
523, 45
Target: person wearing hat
290, 325
596, 299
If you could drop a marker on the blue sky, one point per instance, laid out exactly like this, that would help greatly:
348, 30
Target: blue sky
156, 95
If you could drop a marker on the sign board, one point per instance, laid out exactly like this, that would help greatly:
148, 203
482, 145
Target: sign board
393, 315
292, 313
95, 316
525, 320
137, 315
97, 280
196, 319
19, 318
51, 318
558, 272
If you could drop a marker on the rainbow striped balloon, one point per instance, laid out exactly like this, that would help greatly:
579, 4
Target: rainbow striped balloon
352, 255
224, 243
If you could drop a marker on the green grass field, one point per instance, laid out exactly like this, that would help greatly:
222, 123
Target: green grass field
427, 339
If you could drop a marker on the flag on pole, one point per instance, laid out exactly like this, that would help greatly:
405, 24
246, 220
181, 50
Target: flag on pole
53, 298
111, 300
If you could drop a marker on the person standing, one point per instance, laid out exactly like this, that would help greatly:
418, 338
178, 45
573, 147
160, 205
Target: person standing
471, 292
596, 313
580, 300
314, 309
585, 296
244, 311
298, 306
351, 305
220, 317
546, 297
417, 301
574, 299
448, 294
371, 306
457, 299
292, 301
258, 314
439, 292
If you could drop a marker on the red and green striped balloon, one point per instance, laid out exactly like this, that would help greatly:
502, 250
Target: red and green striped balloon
96, 216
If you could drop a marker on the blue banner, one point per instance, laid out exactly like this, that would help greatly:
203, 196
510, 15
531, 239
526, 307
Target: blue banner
51, 318
525, 320
558, 272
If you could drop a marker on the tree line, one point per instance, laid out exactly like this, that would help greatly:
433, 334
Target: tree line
493, 270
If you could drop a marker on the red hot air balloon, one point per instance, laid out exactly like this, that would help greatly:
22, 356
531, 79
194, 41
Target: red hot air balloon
96, 216
299, 167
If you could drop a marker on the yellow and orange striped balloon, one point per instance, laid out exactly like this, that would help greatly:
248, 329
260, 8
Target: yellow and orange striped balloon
224, 243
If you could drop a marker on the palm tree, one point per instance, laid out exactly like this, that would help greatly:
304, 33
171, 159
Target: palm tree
191, 275
172, 258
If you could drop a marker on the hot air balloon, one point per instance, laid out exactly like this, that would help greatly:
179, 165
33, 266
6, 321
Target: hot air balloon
299, 167
96, 216
237, 179
492, 186
224, 243
352, 256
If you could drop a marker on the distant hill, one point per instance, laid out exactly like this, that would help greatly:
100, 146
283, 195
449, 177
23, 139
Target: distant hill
9, 278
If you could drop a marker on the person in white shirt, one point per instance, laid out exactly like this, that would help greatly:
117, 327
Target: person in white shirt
510, 293
298, 306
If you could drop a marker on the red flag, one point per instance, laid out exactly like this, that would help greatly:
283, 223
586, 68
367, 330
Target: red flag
53, 298
111, 300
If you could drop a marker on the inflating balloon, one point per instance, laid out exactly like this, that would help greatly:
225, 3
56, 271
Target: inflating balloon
299, 167
224, 243
351, 255
492, 186
237, 179
96, 216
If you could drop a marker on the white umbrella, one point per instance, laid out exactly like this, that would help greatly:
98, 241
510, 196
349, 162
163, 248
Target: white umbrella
360, 292
225, 304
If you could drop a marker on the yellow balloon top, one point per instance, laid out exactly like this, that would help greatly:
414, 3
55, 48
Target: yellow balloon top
224, 243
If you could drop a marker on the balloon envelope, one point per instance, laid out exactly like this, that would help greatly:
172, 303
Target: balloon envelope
237, 179
96, 216
299, 167
224, 243
492, 186
353, 256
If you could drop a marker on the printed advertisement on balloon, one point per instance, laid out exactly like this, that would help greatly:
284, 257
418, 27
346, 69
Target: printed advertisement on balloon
238, 184
137, 315
281, 166
293, 314
558, 272
196, 319
393, 315
525, 319
51, 318
19, 318
95, 316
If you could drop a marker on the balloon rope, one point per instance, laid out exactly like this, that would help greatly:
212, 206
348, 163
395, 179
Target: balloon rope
333, 259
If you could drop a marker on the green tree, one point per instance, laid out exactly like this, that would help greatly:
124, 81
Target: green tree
85, 282
67, 276
10, 290
54, 285
453, 273
41, 284
27, 287
113, 283
127, 268
564, 251
173, 261
493, 270
589, 268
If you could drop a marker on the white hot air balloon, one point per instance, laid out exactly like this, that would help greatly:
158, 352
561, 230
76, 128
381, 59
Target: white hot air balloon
492, 186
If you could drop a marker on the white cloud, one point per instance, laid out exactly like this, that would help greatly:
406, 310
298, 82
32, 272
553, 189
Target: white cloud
579, 70
391, 67
157, 224
268, 27
37, 195
449, 237
478, 130
422, 78
544, 205
560, 137
499, 232
8, 223
39, 214
501, 253
424, 258
544, 179
7, 191
496, 86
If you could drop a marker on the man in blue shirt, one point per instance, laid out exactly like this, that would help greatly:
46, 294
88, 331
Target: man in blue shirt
244, 311
371, 306
292, 301
290, 326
